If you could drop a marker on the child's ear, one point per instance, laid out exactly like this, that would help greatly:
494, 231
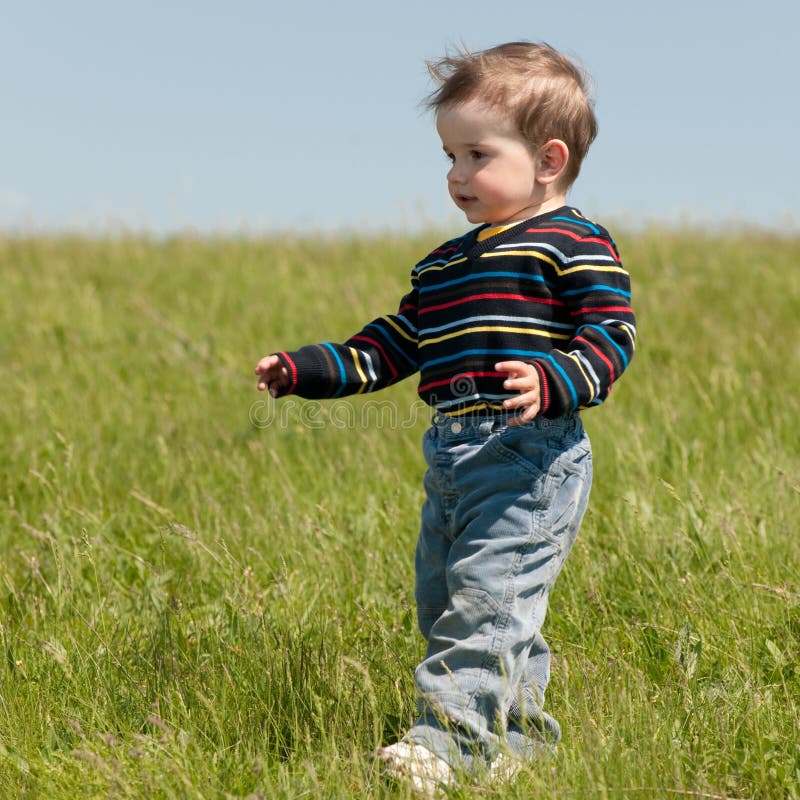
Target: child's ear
552, 159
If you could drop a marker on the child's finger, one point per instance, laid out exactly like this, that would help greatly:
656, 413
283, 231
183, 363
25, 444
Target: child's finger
522, 400
515, 401
526, 416
516, 384
530, 409
512, 367
265, 364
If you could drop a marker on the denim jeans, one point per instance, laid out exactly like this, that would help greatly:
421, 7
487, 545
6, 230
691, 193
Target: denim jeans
502, 509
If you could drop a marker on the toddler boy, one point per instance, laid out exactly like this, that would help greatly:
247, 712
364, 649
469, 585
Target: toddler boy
514, 327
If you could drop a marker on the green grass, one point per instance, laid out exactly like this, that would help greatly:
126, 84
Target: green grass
194, 604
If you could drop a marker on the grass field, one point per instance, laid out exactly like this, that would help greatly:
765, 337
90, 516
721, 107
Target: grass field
206, 596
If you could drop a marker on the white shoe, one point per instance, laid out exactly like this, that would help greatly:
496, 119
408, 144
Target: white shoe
422, 769
505, 768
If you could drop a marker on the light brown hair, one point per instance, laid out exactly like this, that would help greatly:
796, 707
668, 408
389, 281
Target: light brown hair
546, 94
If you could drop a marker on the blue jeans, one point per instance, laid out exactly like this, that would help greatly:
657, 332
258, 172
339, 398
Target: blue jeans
502, 510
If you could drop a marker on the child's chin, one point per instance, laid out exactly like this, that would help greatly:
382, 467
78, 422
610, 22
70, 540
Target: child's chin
474, 217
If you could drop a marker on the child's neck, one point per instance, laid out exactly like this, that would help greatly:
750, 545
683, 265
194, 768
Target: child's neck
549, 203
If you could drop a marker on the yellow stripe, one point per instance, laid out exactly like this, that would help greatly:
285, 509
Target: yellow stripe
630, 335
585, 376
591, 267
534, 253
477, 407
491, 329
443, 266
554, 264
399, 329
358, 370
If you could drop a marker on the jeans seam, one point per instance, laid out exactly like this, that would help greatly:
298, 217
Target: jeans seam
503, 617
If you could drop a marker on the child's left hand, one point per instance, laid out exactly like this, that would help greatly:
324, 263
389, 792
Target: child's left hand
523, 378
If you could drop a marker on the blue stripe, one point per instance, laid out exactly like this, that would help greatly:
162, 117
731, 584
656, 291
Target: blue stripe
601, 330
342, 373
433, 263
478, 276
521, 353
387, 337
598, 287
572, 393
412, 331
439, 261
426, 332
588, 225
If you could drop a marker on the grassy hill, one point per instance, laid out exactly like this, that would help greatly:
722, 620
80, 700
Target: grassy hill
206, 594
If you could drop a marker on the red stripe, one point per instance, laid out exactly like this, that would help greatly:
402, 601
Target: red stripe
382, 352
601, 356
590, 309
448, 381
293, 371
544, 389
406, 307
526, 298
577, 237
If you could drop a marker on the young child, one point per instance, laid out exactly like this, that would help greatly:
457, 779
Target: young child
514, 327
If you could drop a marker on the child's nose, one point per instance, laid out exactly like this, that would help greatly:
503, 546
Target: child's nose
455, 174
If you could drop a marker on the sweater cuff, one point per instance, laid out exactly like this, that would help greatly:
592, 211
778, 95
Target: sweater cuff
309, 373
544, 390
555, 402
291, 368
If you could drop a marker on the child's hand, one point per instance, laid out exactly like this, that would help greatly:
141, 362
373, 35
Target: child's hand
272, 375
523, 378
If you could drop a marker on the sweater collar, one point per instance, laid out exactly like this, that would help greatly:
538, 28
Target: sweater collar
491, 242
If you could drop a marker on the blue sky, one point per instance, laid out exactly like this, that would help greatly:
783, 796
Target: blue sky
262, 116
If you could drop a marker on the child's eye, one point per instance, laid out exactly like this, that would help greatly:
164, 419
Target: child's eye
450, 157
476, 155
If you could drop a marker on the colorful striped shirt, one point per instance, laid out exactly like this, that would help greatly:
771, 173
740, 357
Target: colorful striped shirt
550, 291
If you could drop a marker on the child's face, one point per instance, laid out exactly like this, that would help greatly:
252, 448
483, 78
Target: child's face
494, 175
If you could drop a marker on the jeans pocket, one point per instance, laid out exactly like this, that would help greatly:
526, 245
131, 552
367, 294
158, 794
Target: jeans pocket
525, 448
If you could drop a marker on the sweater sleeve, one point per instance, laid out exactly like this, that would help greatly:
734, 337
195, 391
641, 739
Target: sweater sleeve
596, 289
380, 354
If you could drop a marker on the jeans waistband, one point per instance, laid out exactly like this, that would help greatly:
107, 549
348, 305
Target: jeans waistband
471, 425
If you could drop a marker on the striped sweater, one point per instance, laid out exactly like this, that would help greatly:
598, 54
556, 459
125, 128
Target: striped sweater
550, 291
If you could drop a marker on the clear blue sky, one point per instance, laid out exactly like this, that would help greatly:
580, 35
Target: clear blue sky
271, 115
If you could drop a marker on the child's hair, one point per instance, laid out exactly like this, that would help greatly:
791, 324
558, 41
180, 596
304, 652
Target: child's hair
546, 93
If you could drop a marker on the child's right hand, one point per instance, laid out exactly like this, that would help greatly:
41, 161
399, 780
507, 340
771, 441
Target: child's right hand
272, 375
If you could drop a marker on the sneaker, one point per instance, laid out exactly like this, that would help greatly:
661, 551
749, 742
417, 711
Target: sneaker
422, 769
505, 768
